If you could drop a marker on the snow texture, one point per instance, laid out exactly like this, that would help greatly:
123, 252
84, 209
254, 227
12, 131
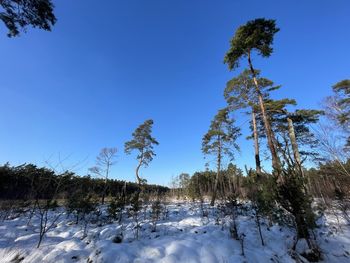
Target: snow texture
182, 236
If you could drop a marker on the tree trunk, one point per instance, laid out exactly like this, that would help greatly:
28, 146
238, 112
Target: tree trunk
105, 185
259, 228
276, 164
293, 141
296, 153
256, 144
137, 173
217, 174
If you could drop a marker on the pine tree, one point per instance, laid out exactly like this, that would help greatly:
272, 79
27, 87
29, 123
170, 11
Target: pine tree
220, 140
240, 94
142, 142
338, 108
18, 14
295, 140
256, 35
342, 89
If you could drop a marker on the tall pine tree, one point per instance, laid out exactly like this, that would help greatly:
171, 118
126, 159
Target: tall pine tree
256, 35
143, 143
220, 141
240, 94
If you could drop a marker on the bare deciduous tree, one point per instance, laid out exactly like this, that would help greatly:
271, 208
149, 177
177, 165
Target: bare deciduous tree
104, 161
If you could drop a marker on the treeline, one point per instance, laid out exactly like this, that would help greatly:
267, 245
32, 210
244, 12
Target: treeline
202, 183
329, 181
29, 182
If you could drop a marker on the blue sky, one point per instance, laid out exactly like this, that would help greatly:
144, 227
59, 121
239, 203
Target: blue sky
106, 68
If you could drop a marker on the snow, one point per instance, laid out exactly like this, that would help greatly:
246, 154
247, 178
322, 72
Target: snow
183, 236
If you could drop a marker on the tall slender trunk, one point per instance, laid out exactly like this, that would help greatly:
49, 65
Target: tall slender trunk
293, 141
217, 173
137, 173
276, 164
230, 188
105, 184
256, 144
139, 180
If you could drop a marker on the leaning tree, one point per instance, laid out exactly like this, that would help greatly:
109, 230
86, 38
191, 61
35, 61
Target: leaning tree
143, 143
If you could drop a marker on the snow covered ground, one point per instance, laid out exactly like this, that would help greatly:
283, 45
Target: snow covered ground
182, 235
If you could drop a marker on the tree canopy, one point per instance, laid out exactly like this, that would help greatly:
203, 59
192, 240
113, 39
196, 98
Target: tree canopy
255, 35
142, 142
18, 14
221, 135
342, 89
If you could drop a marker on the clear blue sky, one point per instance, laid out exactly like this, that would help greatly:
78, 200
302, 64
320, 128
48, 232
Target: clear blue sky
106, 67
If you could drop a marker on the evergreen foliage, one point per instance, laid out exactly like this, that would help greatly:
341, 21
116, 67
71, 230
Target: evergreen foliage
221, 136
220, 141
81, 205
143, 143
18, 14
28, 182
255, 35
115, 208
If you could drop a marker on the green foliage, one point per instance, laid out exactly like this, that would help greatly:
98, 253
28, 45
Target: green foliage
143, 143
262, 191
342, 106
81, 205
302, 120
115, 208
222, 135
240, 92
184, 179
254, 35
330, 179
342, 88
136, 203
200, 183
293, 197
193, 191
155, 212
266, 196
28, 181
136, 206
17, 14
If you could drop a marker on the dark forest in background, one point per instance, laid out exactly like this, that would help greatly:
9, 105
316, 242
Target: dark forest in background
27, 181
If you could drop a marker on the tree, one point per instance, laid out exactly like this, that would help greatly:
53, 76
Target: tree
104, 161
142, 142
298, 123
184, 180
220, 140
234, 177
256, 35
342, 89
18, 14
337, 107
240, 94
294, 139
